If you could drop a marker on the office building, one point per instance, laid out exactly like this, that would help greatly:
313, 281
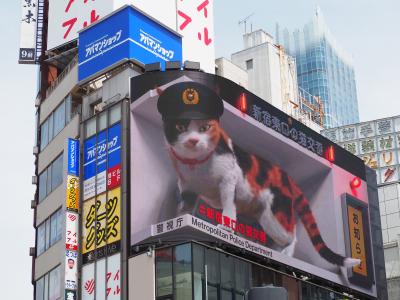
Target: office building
113, 216
377, 143
323, 69
272, 76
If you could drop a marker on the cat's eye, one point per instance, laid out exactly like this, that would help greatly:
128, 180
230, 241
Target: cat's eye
204, 128
180, 127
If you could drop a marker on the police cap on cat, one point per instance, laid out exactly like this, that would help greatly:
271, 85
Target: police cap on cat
189, 100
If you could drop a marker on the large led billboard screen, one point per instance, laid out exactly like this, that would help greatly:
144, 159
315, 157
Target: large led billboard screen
210, 161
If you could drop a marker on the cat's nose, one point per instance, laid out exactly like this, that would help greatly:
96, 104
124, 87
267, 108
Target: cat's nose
193, 142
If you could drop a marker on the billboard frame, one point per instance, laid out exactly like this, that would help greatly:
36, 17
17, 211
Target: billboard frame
229, 92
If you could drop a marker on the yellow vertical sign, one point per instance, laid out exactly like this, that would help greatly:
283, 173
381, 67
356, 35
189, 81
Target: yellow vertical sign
101, 220
356, 231
89, 225
113, 208
72, 197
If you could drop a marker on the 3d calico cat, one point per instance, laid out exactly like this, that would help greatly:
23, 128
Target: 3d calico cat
209, 164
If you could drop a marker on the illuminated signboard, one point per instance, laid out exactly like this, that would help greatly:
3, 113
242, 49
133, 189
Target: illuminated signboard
72, 200
358, 239
101, 209
27, 48
72, 219
255, 179
376, 142
102, 162
125, 34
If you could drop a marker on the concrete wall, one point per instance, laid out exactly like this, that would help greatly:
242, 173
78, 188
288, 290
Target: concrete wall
142, 277
229, 70
260, 74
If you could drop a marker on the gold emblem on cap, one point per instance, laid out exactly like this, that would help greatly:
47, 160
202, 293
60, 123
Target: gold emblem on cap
190, 96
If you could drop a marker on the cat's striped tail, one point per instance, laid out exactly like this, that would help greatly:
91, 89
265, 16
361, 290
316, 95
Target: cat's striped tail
302, 207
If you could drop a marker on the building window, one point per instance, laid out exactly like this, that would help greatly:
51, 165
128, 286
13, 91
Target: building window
103, 120
189, 271
48, 287
164, 272
49, 232
51, 178
115, 114
57, 120
183, 271
249, 64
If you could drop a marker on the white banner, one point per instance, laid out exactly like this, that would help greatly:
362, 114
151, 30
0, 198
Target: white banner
88, 282
27, 48
113, 277
71, 231
67, 17
71, 270
105, 283
196, 25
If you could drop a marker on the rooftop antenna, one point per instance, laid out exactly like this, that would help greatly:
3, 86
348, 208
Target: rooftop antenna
244, 21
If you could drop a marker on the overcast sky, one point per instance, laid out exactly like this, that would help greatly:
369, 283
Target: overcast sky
369, 31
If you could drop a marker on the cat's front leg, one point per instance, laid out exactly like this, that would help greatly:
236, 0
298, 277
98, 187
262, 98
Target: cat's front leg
186, 199
227, 198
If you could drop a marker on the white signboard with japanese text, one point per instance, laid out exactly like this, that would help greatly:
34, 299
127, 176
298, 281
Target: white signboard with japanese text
102, 281
196, 24
28, 21
113, 277
67, 17
88, 282
71, 231
376, 142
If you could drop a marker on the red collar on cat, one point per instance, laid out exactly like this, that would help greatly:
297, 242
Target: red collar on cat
192, 162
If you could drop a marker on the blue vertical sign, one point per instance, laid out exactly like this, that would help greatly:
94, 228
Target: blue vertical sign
73, 157
114, 145
89, 159
114, 156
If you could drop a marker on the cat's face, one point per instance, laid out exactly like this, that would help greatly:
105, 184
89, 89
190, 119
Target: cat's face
192, 138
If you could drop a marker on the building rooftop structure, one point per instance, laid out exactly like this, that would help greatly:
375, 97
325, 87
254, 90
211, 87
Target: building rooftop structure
324, 69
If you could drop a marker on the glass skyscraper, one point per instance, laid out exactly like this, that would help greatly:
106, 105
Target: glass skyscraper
323, 69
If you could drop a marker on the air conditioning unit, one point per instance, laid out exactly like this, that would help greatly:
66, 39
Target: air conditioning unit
35, 150
33, 204
32, 251
34, 180
99, 107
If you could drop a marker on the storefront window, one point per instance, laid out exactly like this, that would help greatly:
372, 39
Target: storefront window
242, 276
183, 272
220, 276
198, 271
164, 272
212, 263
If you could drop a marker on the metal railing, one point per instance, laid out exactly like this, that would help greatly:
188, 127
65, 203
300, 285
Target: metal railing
62, 75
